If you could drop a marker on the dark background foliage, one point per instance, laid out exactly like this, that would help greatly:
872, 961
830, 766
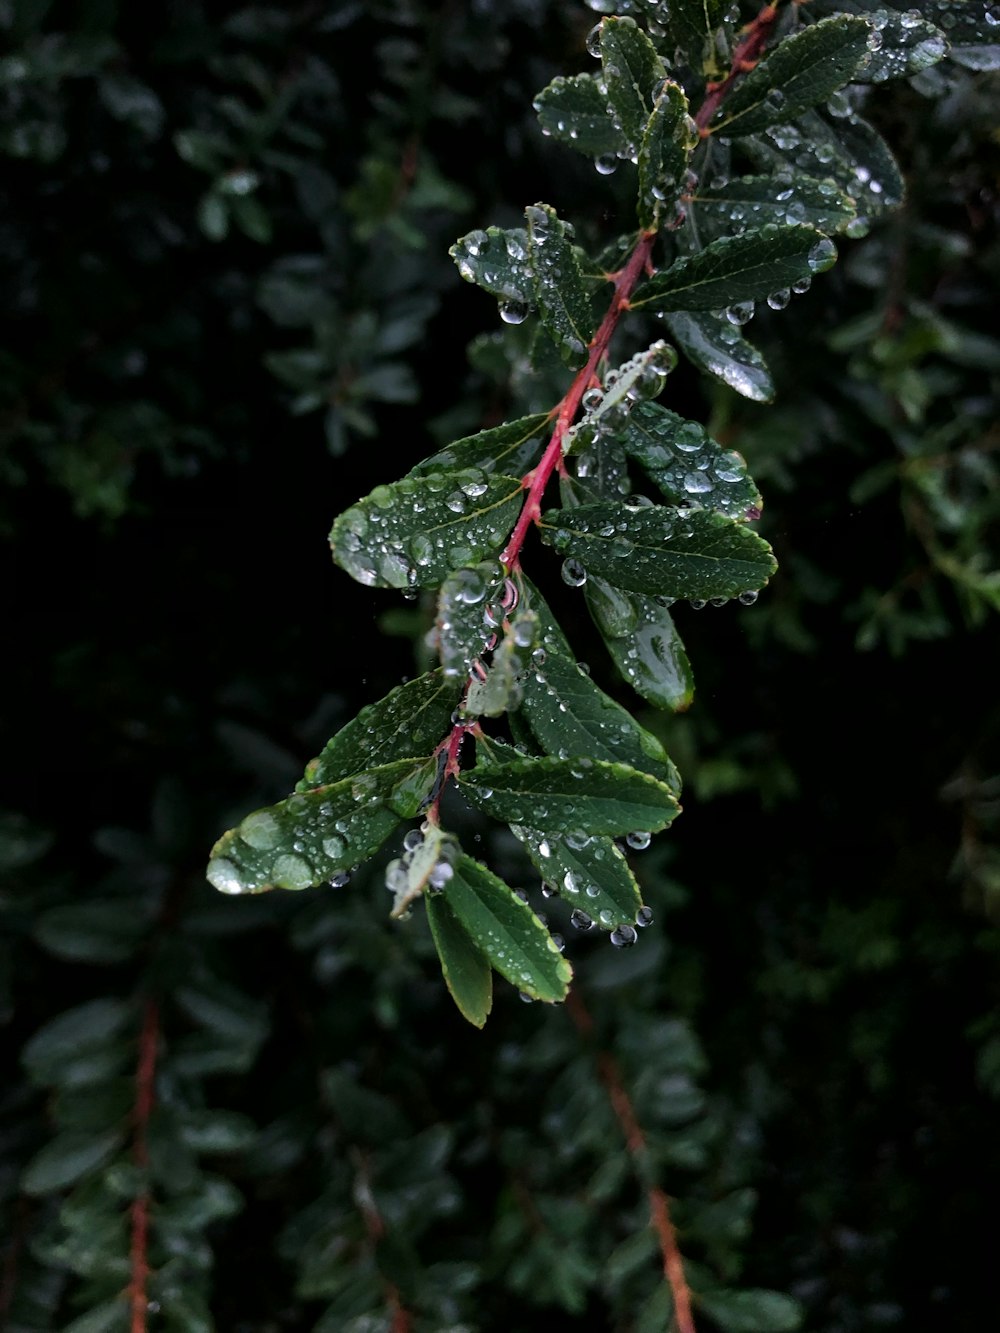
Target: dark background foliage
230, 311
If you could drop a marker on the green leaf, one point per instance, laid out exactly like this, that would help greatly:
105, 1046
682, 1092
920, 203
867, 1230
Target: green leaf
590, 873
717, 347
92, 932
971, 29
779, 198
752, 1311
67, 1158
315, 835
692, 22
847, 151
76, 1035
908, 44
557, 283
513, 449
697, 555
507, 931
465, 967
735, 269
408, 722
108, 1317
687, 465
643, 642
560, 795
575, 111
413, 533
497, 260
550, 635
501, 689
632, 71
802, 70
460, 630
570, 715
671, 136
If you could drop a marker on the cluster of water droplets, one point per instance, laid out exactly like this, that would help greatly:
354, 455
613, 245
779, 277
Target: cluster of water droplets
426, 866
821, 257
498, 261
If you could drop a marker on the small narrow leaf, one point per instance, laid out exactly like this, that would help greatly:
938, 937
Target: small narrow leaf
465, 967
698, 555
314, 835
575, 111
802, 70
67, 1158
408, 722
507, 931
754, 200
717, 347
632, 71
569, 714
512, 449
646, 647
735, 269
752, 1311
461, 630
557, 284
550, 635
667, 144
687, 465
907, 44
590, 873
560, 795
413, 533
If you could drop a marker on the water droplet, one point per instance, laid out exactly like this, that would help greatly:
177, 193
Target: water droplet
573, 573
476, 242
874, 41
260, 830
292, 872
606, 164
538, 658
342, 878
514, 312
644, 916
594, 41
822, 256
697, 604
740, 313
440, 875
525, 998
802, 286
747, 598
559, 942
639, 840
334, 846
624, 937
580, 920
696, 483
413, 840
223, 875
779, 299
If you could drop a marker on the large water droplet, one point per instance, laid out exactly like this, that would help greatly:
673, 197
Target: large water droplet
822, 256
624, 937
606, 164
514, 312
574, 573
292, 872
223, 875
260, 830
639, 840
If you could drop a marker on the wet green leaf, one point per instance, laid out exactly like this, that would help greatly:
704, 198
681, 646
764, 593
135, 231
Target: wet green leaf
570, 715
575, 111
670, 137
659, 551
67, 1158
465, 967
590, 873
563, 794
752, 1311
496, 260
501, 689
716, 346
908, 44
550, 634
692, 22
632, 71
317, 834
802, 70
687, 465
413, 533
643, 642
557, 284
736, 269
408, 722
507, 932
971, 29
513, 449
780, 199
460, 628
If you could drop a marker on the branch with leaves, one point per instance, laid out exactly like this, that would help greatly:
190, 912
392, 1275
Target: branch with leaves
740, 182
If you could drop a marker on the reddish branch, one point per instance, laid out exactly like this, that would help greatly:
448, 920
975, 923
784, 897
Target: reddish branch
635, 1142
145, 1097
375, 1229
748, 51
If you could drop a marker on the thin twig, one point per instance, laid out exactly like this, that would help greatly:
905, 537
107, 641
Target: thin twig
402, 1321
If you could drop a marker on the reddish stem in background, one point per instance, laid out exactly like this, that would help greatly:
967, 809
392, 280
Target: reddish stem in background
145, 1098
635, 1142
375, 1229
748, 51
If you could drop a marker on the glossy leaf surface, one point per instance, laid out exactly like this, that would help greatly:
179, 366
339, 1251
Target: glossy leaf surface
564, 794
667, 144
632, 70
511, 449
496, 260
413, 533
802, 70
755, 200
408, 721
575, 111
687, 465
314, 835
460, 627
735, 269
507, 931
590, 873
700, 554
716, 346
907, 44
644, 644
692, 22
557, 283
465, 967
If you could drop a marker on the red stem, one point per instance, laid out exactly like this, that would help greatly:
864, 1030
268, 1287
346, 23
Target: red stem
635, 1142
145, 1098
746, 54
